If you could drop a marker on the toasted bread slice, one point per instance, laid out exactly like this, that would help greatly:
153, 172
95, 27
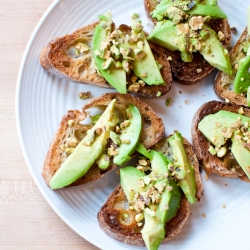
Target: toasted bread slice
111, 217
213, 164
152, 132
58, 58
191, 72
223, 85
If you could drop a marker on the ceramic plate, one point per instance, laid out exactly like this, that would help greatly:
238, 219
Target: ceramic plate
219, 221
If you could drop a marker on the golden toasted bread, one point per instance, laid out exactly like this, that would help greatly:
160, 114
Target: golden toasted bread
58, 58
192, 72
152, 132
111, 217
226, 166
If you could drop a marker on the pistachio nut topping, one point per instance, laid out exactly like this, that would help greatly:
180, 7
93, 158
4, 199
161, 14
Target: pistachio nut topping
125, 51
184, 26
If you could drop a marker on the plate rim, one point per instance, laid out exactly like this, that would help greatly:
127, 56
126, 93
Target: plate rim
66, 220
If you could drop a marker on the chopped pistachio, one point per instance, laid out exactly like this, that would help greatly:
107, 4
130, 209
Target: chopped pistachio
135, 16
221, 36
125, 124
222, 151
84, 95
143, 162
139, 54
241, 110
182, 28
134, 87
142, 83
115, 138
72, 142
90, 138
112, 151
125, 66
95, 118
114, 50
134, 78
196, 22
82, 47
108, 63
70, 122
69, 150
140, 45
137, 26
168, 101
212, 151
118, 65
158, 94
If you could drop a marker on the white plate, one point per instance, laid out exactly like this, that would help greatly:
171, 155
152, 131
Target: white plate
43, 98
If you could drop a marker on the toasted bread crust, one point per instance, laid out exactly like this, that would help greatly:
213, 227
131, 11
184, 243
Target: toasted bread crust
56, 59
110, 219
223, 85
110, 216
184, 72
152, 132
213, 164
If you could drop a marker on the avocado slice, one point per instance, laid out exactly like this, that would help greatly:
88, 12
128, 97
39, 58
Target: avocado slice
142, 150
187, 184
129, 136
153, 231
164, 34
160, 12
115, 76
242, 78
103, 161
210, 129
145, 68
218, 55
171, 199
87, 151
129, 181
242, 155
207, 9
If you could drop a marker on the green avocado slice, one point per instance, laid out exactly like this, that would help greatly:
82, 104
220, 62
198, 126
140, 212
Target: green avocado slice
129, 137
207, 9
217, 56
129, 181
142, 150
83, 157
242, 78
146, 68
164, 34
115, 76
153, 231
187, 184
242, 155
210, 129
170, 199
